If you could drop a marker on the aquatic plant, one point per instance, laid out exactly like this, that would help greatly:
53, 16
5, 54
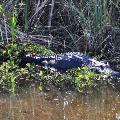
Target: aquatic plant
85, 78
11, 72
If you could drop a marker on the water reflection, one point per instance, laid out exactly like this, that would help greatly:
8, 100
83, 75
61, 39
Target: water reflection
32, 104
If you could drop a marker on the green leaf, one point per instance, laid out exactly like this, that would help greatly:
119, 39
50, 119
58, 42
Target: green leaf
41, 73
84, 68
28, 65
79, 77
1, 8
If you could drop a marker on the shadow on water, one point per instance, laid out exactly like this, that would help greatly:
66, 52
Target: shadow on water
31, 104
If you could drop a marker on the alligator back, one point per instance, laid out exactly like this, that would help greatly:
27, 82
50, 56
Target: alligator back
66, 61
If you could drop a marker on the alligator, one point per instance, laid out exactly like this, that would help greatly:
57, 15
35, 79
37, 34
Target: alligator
66, 61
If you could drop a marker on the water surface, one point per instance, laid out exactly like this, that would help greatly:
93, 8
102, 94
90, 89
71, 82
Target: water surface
31, 104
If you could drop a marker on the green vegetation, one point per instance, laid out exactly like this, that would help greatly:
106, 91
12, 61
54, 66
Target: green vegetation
93, 15
13, 25
80, 79
86, 26
12, 75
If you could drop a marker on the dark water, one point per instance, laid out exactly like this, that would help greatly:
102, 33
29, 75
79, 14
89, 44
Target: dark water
32, 104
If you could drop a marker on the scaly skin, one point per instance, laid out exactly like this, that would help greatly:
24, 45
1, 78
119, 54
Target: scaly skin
66, 61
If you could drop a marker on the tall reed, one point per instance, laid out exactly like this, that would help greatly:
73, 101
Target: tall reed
26, 9
13, 25
92, 15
